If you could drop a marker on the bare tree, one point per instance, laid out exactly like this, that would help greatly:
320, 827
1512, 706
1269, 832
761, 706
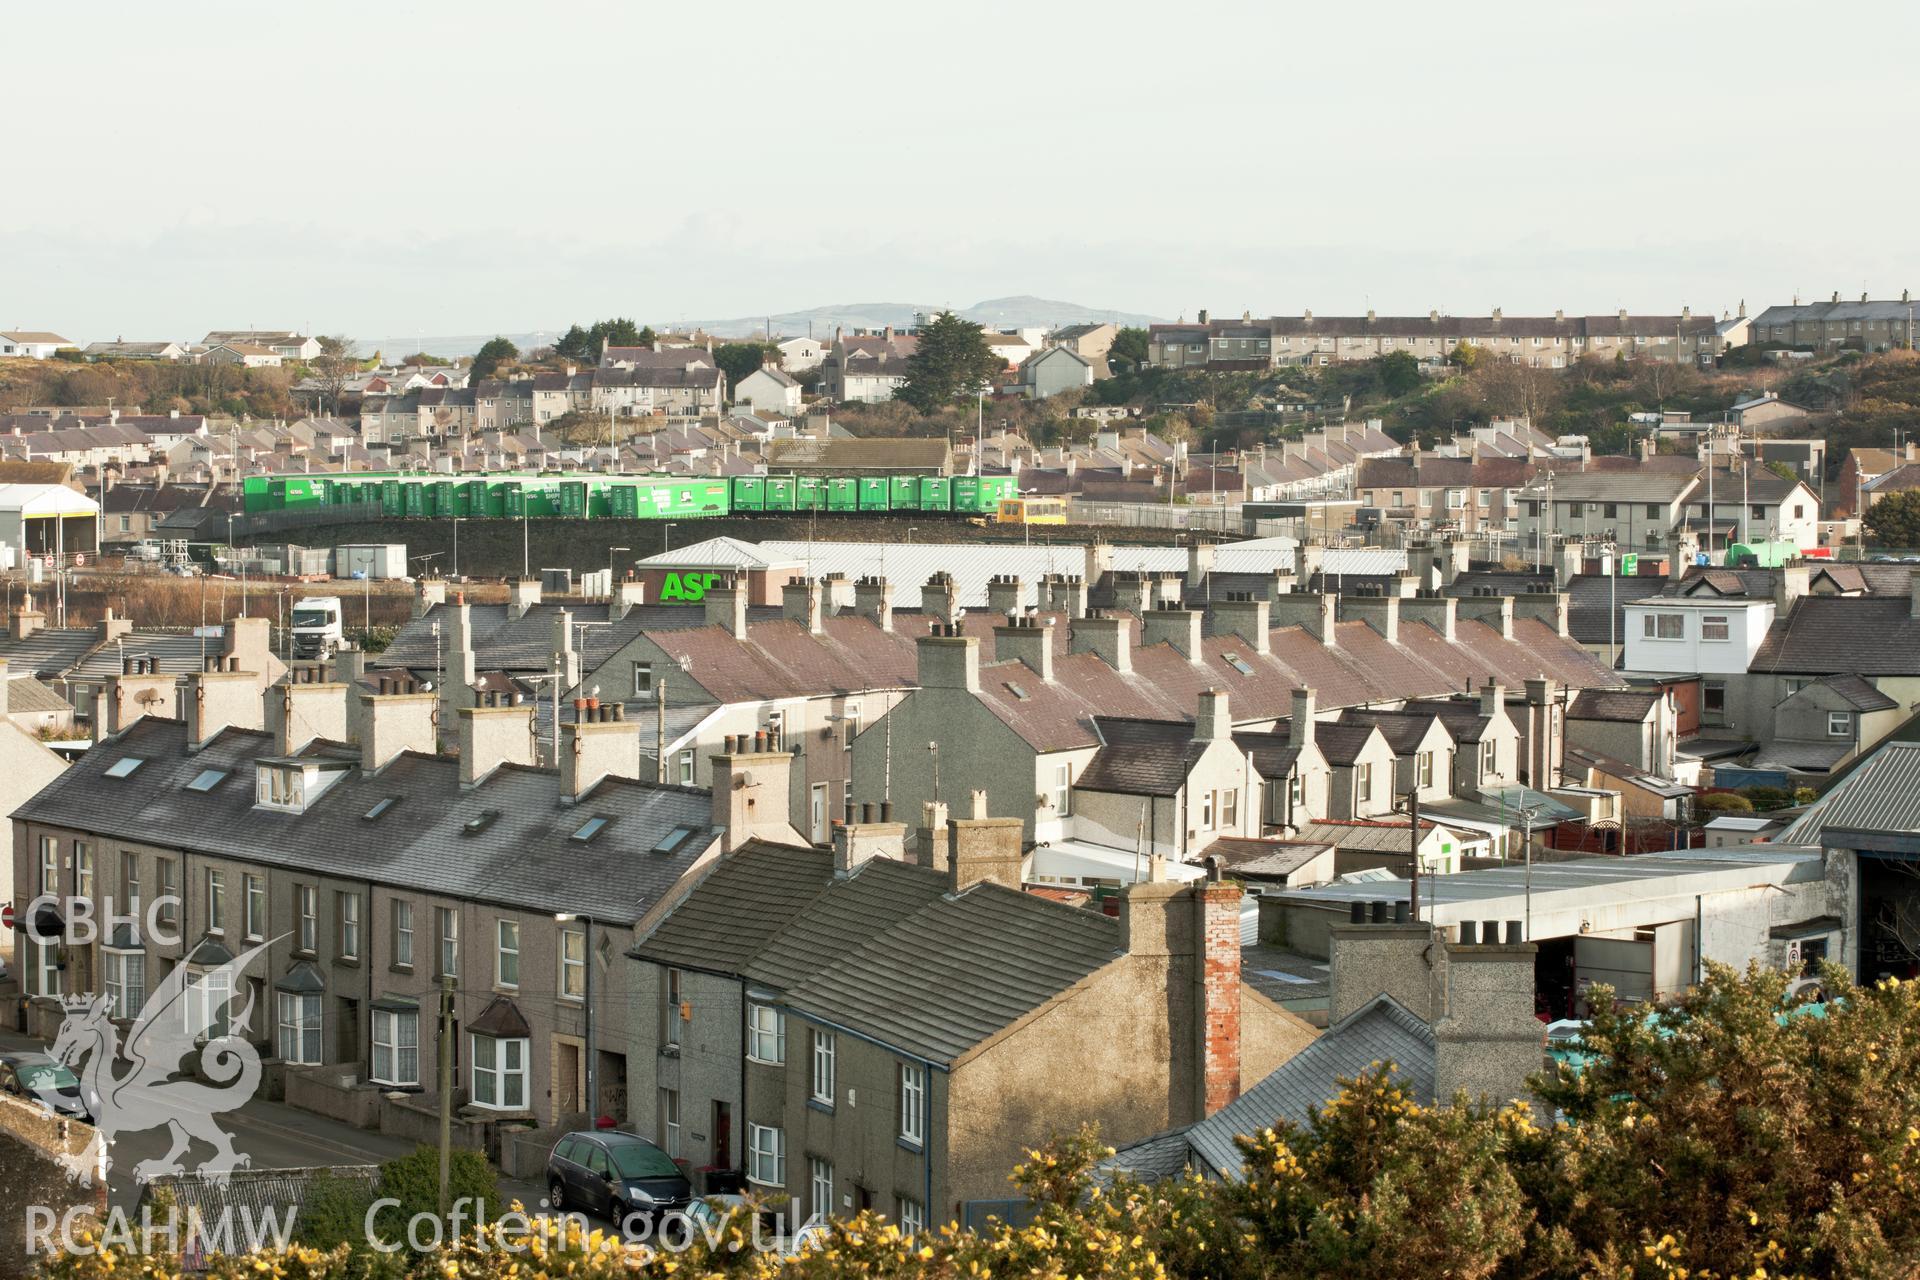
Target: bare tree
1899, 915
333, 368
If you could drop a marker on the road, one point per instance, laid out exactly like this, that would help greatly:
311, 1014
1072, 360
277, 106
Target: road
271, 1135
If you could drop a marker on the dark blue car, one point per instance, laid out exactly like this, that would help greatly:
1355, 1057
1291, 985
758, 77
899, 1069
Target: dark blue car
623, 1178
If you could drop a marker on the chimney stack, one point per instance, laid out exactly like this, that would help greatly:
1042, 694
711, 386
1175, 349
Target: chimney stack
1311, 611
1199, 562
1493, 700
984, 849
215, 700
1493, 611
1212, 721
27, 619
1366, 961
1300, 724
1486, 1039
857, 843
386, 724
751, 792
491, 736
948, 659
726, 607
304, 707
428, 593
873, 598
522, 595
1382, 613
566, 659
1133, 592
1108, 638
800, 602
1192, 933
940, 599
628, 594
1439, 612
596, 747
1794, 581
1245, 615
1542, 734
1026, 638
1003, 593
1068, 595
1175, 626
932, 841
112, 628
1549, 607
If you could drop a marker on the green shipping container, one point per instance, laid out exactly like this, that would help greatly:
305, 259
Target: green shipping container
392, 501
780, 493
256, 494
843, 493
873, 493
573, 499
414, 500
936, 493
903, 493
966, 494
809, 493
622, 502
749, 493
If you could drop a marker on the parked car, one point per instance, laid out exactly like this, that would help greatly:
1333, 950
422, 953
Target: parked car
710, 1216
619, 1176
38, 1078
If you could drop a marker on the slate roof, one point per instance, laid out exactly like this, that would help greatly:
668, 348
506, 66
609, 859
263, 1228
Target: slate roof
737, 907
1141, 757
1264, 859
1381, 1031
28, 695
1383, 836
1857, 693
1273, 756
254, 1193
525, 858
1822, 635
929, 456
1627, 706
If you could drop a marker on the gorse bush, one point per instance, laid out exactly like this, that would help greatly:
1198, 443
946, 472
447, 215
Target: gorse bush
1730, 1133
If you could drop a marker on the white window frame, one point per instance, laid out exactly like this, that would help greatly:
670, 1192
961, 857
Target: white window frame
1423, 769
1839, 724
253, 891
49, 865
506, 954
307, 915
820, 1187
499, 1083
82, 870
298, 1018
46, 967
766, 1155
396, 1035
1715, 628
850, 725
912, 1216
820, 1082
670, 1122
573, 968
642, 678
447, 941
1063, 789
348, 907
686, 767
1490, 756
1206, 810
125, 977
216, 900
1362, 783
767, 1034
401, 918
913, 1094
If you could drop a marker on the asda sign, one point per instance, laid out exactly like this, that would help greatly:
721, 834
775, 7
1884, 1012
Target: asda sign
687, 588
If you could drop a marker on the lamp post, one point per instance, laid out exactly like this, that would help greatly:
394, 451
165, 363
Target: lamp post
666, 537
610, 551
586, 962
456, 547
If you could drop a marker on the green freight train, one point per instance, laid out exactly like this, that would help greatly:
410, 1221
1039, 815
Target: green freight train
511, 496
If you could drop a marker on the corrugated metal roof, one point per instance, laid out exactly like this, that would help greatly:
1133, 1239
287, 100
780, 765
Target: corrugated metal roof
1882, 794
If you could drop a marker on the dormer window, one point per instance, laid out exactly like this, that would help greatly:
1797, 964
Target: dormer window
280, 787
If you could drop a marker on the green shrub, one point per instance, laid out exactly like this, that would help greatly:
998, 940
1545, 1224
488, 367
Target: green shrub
1717, 802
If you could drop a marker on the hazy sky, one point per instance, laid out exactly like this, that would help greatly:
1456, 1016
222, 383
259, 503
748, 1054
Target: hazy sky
397, 168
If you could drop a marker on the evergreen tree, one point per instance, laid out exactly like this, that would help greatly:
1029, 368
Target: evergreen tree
953, 360
497, 352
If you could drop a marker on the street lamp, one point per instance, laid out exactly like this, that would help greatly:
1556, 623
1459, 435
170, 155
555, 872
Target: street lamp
456, 547
610, 551
586, 961
666, 534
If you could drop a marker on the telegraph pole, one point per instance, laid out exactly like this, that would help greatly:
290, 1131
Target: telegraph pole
1413, 807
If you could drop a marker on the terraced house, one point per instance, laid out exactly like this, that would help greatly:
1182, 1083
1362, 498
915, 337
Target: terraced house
375, 872
864, 1030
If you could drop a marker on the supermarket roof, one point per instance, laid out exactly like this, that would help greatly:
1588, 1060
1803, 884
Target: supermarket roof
46, 500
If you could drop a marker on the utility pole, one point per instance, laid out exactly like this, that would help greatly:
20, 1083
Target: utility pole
446, 1094
1413, 807
660, 726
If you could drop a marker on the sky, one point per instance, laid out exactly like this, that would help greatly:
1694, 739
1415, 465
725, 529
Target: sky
442, 168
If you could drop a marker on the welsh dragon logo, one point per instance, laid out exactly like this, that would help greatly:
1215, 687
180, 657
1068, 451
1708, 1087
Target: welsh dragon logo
185, 1018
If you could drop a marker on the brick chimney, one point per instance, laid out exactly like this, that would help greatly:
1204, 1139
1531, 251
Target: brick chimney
1382, 613
386, 724
984, 849
1217, 906
1245, 615
1026, 638
303, 707
1442, 613
939, 599
857, 843
494, 734
1492, 611
522, 595
800, 602
1300, 725
1487, 1041
599, 742
1212, 722
215, 700
1004, 591
1175, 626
726, 607
1311, 611
873, 598
751, 792
949, 660
628, 594
1185, 939
1111, 639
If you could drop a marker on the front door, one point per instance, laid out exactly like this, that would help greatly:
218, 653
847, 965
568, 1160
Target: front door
566, 1077
722, 1135
817, 813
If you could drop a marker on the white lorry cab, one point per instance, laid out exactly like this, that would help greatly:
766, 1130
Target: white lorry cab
316, 627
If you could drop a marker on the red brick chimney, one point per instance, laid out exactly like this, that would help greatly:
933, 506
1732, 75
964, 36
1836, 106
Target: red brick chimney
1218, 905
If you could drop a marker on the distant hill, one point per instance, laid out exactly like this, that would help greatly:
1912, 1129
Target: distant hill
995, 313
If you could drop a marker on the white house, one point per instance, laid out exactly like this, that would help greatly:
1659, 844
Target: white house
1010, 347
245, 354
31, 344
1048, 373
768, 389
797, 355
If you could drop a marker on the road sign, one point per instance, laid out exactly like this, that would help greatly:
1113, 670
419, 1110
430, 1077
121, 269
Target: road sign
6, 915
